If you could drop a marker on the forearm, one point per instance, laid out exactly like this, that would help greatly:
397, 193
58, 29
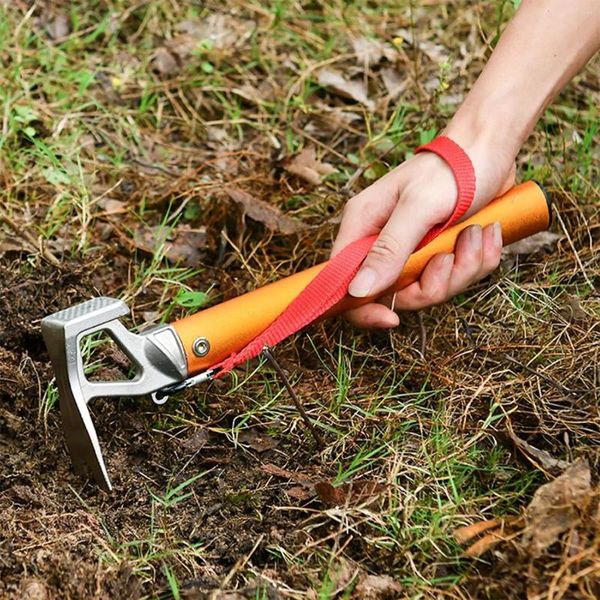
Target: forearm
543, 47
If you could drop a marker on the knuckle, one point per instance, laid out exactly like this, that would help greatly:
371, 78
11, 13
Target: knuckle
357, 206
359, 201
386, 248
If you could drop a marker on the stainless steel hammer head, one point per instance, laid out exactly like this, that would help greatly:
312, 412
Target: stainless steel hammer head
157, 354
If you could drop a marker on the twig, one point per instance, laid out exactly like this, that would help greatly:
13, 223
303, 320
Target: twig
30, 240
574, 250
240, 563
316, 435
423, 336
506, 357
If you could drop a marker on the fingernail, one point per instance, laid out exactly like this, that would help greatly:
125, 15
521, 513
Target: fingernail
475, 237
363, 283
497, 233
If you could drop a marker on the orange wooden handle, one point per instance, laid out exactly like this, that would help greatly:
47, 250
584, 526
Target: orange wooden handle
228, 327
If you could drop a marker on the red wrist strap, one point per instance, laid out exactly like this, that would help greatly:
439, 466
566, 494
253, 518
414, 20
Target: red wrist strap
324, 291
331, 284
464, 175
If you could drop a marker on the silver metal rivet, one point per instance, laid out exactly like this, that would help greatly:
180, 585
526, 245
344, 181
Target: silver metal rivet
201, 346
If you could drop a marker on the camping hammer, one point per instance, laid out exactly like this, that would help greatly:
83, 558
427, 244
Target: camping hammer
171, 357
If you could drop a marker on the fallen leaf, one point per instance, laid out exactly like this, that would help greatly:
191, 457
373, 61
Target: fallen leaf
110, 206
376, 587
59, 27
271, 469
352, 493
540, 458
555, 507
164, 62
544, 240
347, 88
371, 51
13, 247
258, 441
330, 495
219, 595
197, 440
299, 493
216, 32
306, 166
150, 316
187, 245
342, 577
435, 52
33, 589
576, 313
393, 82
258, 210
182, 244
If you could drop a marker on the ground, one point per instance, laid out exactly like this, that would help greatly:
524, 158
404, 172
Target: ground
176, 154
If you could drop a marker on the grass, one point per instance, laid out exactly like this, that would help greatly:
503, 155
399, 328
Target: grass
87, 120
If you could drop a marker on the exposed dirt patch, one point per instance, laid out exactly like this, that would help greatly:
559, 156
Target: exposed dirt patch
182, 152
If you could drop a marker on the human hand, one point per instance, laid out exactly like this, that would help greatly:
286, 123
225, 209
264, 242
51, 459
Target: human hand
402, 207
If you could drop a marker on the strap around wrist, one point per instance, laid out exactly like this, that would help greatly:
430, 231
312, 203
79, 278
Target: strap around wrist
464, 175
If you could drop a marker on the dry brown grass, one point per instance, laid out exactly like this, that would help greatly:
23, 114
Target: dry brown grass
117, 127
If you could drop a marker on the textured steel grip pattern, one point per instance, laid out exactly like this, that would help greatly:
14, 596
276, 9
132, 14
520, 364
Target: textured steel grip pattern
90, 313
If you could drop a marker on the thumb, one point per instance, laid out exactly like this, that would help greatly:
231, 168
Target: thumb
381, 268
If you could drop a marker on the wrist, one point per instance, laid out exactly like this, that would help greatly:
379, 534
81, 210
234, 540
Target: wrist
485, 131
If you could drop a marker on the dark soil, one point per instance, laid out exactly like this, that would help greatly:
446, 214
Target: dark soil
52, 524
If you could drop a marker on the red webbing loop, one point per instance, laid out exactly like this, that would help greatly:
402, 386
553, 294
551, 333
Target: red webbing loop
331, 284
328, 287
464, 175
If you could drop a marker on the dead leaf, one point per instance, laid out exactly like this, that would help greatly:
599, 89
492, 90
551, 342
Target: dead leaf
555, 507
59, 27
347, 88
352, 493
13, 247
271, 469
576, 313
164, 62
150, 316
342, 577
376, 587
110, 206
540, 458
219, 595
306, 166
183, 244
393, 82
370, 51
330, 495
197, 440
544, 240
33, 589
435, 52
216, 32
257, 440
258, 210
299, 493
